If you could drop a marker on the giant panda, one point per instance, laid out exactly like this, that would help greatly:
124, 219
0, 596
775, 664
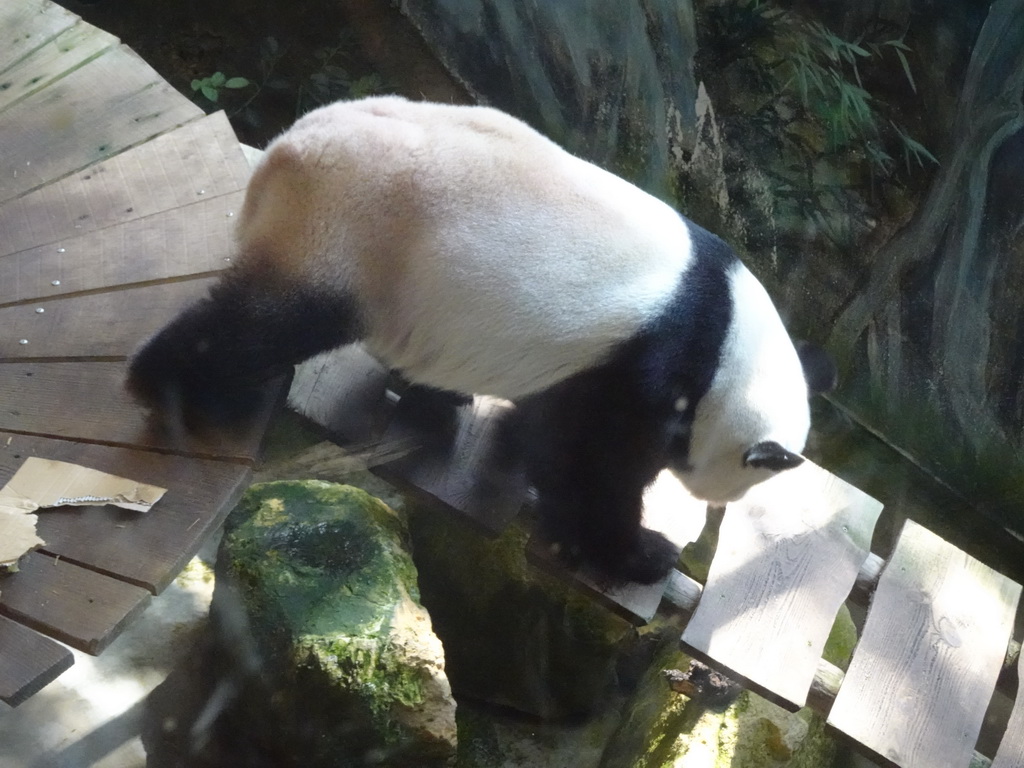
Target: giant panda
473, 255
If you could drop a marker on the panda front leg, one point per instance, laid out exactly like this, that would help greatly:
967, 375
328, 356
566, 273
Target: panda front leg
590, 458
208, 365
433, 412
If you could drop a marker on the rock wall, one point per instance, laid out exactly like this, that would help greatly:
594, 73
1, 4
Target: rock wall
865, 161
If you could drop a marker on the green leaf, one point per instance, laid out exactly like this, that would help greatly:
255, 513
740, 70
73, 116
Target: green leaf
217, 79
236, 82
210, 92
906, 69
196, 85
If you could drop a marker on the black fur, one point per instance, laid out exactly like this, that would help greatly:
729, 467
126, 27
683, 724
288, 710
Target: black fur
207, 365
595, 441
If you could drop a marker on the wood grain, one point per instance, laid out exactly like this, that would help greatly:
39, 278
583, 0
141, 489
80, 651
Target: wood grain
111, 324
87, 401
344, 392
191, 240
1011, 748
146, 549
932, 647
466, 475
28, 662
112, 103
788, 555
84, 609
55, 58
201, 159
26, 26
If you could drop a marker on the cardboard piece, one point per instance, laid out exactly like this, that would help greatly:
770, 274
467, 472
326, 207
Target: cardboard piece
17, 535
41, 483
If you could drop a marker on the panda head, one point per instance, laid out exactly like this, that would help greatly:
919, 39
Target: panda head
753, 421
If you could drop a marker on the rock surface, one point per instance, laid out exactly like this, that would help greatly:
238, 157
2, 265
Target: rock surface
320, 654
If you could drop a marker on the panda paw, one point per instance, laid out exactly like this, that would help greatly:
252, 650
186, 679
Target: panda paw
649, 560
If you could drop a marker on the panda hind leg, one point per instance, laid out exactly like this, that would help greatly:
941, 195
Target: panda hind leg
207, 367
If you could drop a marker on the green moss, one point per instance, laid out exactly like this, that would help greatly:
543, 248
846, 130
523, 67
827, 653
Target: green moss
513, 635
366, 666
323, 568
841, 640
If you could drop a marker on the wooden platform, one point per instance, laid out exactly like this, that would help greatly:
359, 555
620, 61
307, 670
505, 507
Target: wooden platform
116, 194
789, 555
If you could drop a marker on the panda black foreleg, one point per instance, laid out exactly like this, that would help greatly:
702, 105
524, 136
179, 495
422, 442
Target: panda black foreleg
590, 454
432, 411
209, 363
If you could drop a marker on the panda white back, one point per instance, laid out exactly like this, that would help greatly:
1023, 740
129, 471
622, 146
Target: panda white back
485, 259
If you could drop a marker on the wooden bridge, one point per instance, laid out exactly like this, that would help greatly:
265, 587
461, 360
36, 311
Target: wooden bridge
116, 198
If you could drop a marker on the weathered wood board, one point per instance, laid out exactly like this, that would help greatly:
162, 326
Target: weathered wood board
147, 549
926, 665
54, 59
28, 25
28, 662
788, 556
112, 103
193, 240
344, 392
82, 608
468, 474
31, 395
95, 325
1011, 748
201, 159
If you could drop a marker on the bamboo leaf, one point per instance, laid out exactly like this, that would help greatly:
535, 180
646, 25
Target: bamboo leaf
906, 69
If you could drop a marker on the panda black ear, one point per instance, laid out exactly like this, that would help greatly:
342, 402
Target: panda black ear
819, 369
771, 455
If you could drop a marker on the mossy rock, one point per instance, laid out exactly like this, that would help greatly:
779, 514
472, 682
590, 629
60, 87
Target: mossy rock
320, 578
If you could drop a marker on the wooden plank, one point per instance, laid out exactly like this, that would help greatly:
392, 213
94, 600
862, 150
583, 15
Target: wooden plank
932, 647
1011, 748
464, 475
187, 241
114, 102
668, 509
788, 555
147, 549
55, 58
28, 24
35, 396
84, 609
199, 159
28, 662
109, 324
344, 392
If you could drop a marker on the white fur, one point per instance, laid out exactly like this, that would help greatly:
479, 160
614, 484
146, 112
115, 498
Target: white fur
549, 261
759, 393
488, 260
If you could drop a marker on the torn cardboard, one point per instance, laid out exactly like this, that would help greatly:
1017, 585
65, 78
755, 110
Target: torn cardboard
44, 483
